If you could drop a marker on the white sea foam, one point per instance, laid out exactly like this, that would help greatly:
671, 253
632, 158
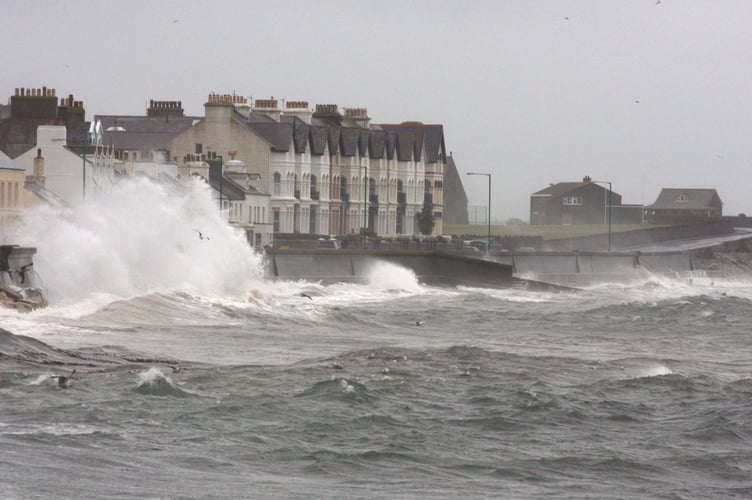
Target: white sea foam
140, 239
56, 429
656, 370
152, 376
388, 276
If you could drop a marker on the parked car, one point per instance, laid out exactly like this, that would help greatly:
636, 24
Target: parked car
326, 244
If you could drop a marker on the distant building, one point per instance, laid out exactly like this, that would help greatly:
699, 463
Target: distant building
63, 168
140, 143
31, 108
684, 205
586, 202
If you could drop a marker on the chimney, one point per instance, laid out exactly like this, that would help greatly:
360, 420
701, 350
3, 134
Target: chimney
38, 104
359, 116
241, 105
38, 176
269, 107
299, 109
327, 111
165, 108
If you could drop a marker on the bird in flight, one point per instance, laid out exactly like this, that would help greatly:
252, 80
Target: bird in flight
419, 323
306, 296
201, 235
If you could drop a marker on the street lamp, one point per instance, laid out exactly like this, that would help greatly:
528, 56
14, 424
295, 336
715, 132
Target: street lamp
365, 206
84, 173
220, 184
608, 211
488, 249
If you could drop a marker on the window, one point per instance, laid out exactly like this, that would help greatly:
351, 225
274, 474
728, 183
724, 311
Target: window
572, 200
682, 198
199, 148
277, 182
276, 220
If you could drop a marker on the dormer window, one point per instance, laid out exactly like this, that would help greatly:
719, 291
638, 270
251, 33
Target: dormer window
682, 198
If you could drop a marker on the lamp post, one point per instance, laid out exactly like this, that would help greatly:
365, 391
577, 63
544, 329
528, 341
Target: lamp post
608, 211
220, 184
488, 248
365, 207
84, 176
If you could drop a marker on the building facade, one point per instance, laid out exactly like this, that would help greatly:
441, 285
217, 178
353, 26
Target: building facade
328, 173
586, 202
684, 205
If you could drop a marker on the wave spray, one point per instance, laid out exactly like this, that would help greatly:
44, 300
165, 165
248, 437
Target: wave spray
142, 238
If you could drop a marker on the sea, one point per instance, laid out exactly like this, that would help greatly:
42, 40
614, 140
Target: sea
198, 377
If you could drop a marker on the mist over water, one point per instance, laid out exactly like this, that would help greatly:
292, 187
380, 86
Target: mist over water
196, 377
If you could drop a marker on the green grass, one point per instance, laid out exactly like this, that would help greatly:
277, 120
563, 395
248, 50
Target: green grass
546, 232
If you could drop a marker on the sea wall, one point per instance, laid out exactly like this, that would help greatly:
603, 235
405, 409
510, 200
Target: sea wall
440, 268
432, 268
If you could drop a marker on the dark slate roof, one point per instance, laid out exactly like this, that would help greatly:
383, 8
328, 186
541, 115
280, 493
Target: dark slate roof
391, 143
428, 138
560, 188
319, 137
564, 188
231, 190
349, 141
18, 135
279, 135
696, 199
334, 135
377, 143
142, 132
363, 142
301, 135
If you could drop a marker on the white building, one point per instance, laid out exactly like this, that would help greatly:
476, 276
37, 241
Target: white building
71, 177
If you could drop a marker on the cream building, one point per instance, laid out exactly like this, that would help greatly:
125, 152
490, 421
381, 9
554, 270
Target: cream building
327, 173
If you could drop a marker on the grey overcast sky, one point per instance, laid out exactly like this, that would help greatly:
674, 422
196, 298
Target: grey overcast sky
643, 93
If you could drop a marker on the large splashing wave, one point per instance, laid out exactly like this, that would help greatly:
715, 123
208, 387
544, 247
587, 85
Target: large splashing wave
142, 238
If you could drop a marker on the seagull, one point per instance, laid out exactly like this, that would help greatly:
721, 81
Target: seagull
64, 382
306, 296
419, 323
200, 235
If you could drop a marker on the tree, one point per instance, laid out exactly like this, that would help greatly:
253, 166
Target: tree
425, 218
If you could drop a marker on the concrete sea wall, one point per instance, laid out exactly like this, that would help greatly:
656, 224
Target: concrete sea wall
569, 269
432, 268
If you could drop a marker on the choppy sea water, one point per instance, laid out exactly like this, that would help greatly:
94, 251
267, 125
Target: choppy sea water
640, 391
187, 387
